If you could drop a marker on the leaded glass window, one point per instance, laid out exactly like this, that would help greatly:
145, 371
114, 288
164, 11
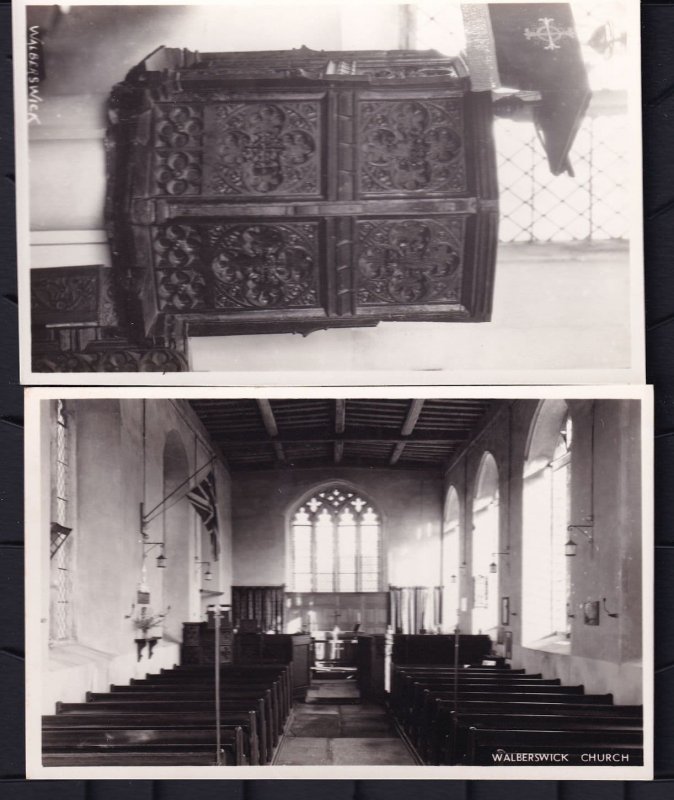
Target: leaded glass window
336, 543
61, 609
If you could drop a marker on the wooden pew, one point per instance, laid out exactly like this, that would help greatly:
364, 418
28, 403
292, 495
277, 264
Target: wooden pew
412, 694
191, 725
420, 718
146, 759
129, 748
419, 714
175, 709
278, 704
188, 672
449, 742
266, 729
483, 742
228, 674
437, 725
278, 689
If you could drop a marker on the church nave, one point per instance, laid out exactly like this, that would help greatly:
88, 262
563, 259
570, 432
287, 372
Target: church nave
397, 582
334, 728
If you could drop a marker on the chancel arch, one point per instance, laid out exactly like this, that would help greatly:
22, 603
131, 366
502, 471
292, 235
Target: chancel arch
485, 547
451, 555
546, 499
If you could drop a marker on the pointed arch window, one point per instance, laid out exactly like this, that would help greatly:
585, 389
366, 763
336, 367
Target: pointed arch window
336, 543
62, 544
546, 513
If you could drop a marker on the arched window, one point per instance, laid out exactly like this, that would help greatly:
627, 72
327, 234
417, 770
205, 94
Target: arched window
62, 563
336, 543
485, 546
546, 513
451, 536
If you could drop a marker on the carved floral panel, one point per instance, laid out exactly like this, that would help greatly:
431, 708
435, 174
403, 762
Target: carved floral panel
265, 265
411, 146
410, 261
263, 148
72, 293
397, 71
236, 266
178, 141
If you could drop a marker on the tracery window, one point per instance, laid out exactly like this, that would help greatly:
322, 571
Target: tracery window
485, 547
62, 543
336, 543
547, 495
451, 567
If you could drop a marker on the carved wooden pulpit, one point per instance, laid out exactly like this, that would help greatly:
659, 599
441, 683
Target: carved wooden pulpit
299, 190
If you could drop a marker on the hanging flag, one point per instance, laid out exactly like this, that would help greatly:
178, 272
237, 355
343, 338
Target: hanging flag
202, 498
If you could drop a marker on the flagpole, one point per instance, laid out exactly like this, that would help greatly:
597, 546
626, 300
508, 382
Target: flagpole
146, 517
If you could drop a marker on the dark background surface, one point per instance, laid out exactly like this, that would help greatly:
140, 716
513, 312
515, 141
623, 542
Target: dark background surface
658, 108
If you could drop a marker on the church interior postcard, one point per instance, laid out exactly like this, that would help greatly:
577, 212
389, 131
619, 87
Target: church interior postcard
431, 583
290, 193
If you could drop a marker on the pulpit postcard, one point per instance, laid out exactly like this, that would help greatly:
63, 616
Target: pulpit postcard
330, 193
415, 583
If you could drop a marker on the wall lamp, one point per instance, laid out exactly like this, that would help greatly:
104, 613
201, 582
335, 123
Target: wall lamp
571, 548
208, 575
493, 567
161, 558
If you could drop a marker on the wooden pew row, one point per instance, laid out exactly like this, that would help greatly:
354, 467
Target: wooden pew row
247, 670
412, 695
146, 759
399, 673
448, 741
98, 748
174, 709
192, 727
280, 673
279, 689
279, 700
484, 742
434, 733
272, 713
419, 715
228, 673
402, 680
267, 732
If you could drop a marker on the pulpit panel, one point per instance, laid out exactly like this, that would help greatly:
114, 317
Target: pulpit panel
411, 144
231, 266
409, 262
298, 190
231, 146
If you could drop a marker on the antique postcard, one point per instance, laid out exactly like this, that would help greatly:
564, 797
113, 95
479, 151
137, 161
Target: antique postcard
330, 192
339, 583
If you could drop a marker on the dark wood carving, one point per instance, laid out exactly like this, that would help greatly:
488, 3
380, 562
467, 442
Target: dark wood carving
410, 261
79, 325
280, 192
412, 146
263, 148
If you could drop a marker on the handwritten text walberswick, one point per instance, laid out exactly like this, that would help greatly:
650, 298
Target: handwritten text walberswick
34, 54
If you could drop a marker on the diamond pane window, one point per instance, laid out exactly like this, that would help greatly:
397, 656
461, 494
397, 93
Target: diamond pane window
336, 544
61, 611
536, 206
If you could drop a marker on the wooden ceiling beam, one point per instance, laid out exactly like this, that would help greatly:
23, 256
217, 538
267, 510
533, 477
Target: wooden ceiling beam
269, 422
373, 436
413, 414
340, 424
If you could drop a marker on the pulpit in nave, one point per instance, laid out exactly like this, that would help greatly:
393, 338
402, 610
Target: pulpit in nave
287, 191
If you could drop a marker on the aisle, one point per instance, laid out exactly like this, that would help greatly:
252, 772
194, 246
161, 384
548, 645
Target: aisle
334, 728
